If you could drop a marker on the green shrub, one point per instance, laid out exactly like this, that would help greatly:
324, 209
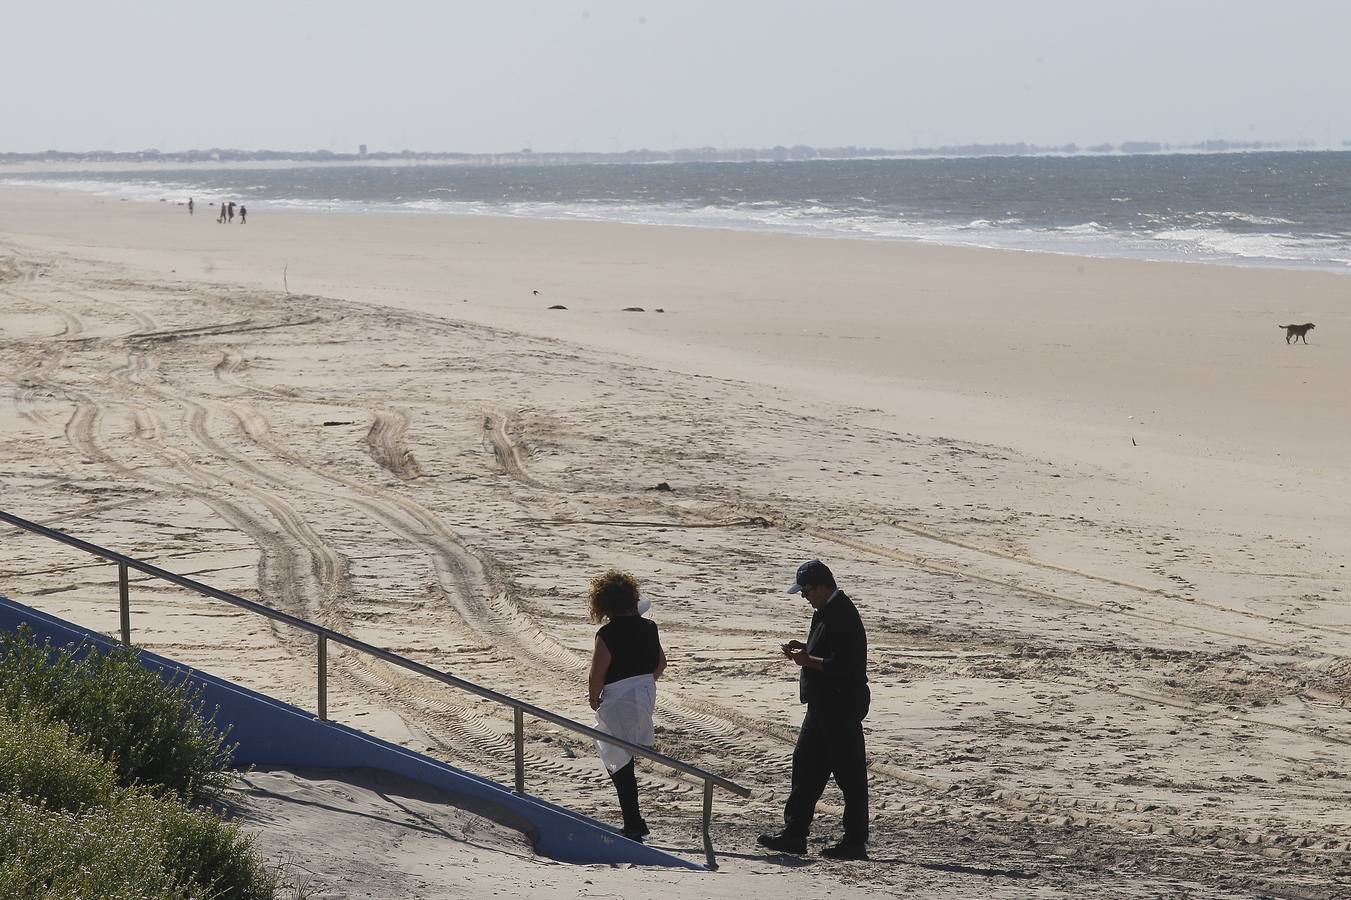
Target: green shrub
138, 847
49, 853
154, 732
42, 762
201, 849
69, 828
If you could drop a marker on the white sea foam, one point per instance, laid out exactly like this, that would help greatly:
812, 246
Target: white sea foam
1082, 228
1217, 245
146, 191
1245, 218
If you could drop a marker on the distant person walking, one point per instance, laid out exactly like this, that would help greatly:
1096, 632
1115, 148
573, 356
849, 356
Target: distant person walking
189, 206
221, 217
243, 215
231, 208
622, 685
833, 682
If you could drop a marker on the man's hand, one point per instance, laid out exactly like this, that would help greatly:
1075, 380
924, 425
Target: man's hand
797, 652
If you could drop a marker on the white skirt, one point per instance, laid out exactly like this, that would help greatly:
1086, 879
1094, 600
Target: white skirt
626, 708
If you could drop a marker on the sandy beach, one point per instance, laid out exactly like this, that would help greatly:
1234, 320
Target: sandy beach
1095, 514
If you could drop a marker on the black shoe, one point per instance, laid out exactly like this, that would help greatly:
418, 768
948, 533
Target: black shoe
844, 850
783, 842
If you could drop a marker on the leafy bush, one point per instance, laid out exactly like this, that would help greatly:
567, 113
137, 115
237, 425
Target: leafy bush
154, 733
139, 847
78, 821
43, 763
212, 853
50, 853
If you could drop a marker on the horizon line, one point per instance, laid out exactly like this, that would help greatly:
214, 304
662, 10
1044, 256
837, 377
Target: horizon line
777, 151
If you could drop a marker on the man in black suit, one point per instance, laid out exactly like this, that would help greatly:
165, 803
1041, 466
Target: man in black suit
833, 682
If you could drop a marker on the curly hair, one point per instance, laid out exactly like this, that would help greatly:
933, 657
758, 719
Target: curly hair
613, 593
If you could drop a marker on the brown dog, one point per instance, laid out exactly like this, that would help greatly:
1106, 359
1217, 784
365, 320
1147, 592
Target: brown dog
1297, 331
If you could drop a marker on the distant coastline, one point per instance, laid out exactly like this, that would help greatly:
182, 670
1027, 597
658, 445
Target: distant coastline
51, 159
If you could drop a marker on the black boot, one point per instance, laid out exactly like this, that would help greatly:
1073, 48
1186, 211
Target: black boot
626, 786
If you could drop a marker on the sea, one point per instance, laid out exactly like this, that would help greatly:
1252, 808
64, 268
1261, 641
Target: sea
1286, 209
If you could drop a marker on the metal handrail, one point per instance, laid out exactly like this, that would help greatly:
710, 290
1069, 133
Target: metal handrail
519, 707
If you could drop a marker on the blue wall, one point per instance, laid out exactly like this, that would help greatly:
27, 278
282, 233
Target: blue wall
272, 734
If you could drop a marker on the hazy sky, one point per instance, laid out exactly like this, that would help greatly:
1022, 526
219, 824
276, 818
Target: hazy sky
610, 75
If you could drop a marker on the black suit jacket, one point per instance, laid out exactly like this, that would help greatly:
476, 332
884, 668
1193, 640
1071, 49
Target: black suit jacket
837, 636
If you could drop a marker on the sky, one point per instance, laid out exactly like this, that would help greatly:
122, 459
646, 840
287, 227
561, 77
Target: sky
607, 75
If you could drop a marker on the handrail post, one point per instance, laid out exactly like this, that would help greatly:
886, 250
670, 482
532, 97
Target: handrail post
708, 816
520, 749
323, 677
124, 603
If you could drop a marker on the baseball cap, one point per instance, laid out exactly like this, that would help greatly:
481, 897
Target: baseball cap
812, 572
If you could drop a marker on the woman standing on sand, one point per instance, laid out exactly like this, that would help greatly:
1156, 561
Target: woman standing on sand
625, 666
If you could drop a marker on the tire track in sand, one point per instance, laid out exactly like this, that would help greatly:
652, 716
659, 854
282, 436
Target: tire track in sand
479, 593
423, 700
304, 589
509, 457
387, 442
303, 573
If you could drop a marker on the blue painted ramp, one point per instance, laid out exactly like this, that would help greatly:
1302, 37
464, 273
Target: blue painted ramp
272, 734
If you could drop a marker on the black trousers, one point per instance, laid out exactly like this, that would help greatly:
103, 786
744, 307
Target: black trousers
626, 786
829, 744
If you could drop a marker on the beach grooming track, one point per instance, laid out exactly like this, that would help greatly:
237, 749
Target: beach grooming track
437, 506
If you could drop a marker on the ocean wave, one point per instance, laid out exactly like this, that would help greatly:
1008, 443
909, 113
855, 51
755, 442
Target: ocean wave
1210, 235
1219, 245
991, 223
146, 191
1225, 216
